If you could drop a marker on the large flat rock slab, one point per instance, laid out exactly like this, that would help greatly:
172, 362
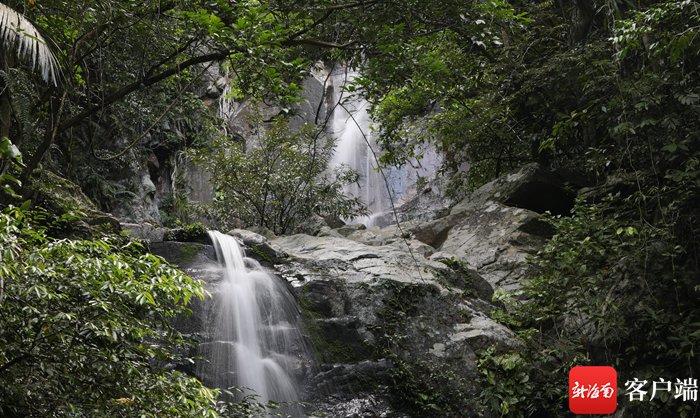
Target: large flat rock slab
352, 261
496, 241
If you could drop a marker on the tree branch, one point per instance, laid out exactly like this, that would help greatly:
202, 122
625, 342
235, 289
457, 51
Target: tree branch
116, 96
317, 42
347, 5
171, 56
146, 82
310, 27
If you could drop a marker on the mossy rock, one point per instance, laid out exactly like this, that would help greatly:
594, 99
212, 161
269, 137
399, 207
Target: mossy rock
195, 232
337, 340
182, 254
334, 339
74, 212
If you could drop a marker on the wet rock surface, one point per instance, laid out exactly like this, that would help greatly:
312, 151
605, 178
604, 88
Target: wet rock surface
199, 261
189, 256
378, 301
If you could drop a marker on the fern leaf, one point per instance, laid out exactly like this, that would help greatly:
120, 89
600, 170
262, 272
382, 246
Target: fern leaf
16, 32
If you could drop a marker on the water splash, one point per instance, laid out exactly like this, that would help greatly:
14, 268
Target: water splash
255, 339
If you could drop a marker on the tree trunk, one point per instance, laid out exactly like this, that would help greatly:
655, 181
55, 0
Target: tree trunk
5, 100
52, 125
582, 20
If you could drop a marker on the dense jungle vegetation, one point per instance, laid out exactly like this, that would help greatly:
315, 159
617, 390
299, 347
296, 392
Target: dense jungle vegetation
606, 91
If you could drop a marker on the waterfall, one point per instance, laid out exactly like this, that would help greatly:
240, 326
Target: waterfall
256, 343
357, 149
351, 126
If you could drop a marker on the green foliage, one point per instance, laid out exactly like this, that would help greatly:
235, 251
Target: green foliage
279, 182
435, 85
618, 282
20, 35
194, 232
607, 87
10, 161
609, 290
427, 389
547, 93
86, 328
103, 48
113, 105
508, 390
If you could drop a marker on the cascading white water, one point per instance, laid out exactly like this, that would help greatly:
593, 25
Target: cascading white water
356, 148
256, 343
351, 126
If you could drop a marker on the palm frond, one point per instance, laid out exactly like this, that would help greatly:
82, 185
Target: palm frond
18, 32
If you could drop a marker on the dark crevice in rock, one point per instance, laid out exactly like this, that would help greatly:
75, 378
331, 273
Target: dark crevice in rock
542, 196
538, 227
364, 256
440, 238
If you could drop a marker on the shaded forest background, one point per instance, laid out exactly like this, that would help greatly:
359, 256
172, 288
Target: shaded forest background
605, 91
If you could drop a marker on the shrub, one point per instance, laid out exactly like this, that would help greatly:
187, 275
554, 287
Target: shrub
85, 328
279, 182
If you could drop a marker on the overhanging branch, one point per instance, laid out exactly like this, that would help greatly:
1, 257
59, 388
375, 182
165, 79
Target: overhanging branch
114, 97
146, 82
319, 43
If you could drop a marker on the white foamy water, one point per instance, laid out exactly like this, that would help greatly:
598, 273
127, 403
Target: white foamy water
357, 149
256, 343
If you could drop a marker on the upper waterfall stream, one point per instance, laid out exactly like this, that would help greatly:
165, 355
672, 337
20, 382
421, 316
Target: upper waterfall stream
256, 343
356, 148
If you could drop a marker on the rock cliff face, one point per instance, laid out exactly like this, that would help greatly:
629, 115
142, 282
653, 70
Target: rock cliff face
389, 310
372, 310
151, 176
495, 228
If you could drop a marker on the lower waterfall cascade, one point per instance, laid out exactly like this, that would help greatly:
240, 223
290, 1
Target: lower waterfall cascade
255, 338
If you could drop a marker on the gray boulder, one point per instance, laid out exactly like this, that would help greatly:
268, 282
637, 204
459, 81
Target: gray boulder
499, 225
496, 240
356, 297
360, 262
348, 229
